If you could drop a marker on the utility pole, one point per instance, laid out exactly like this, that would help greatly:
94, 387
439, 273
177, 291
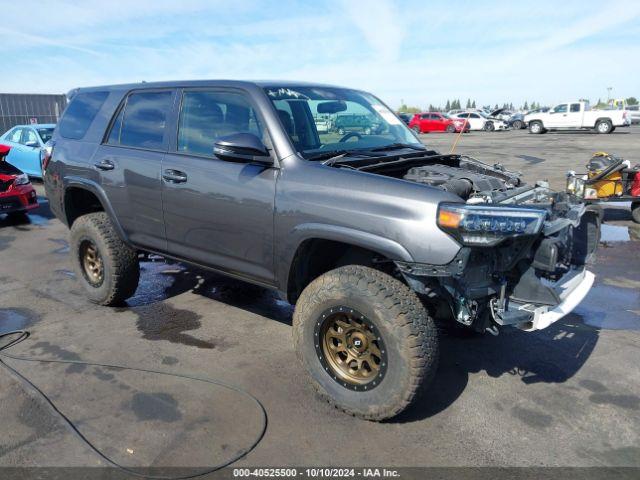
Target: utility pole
609, 94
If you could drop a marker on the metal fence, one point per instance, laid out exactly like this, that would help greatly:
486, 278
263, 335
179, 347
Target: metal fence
20, 109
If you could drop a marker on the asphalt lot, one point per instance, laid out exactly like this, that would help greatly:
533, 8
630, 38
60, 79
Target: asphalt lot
565, 396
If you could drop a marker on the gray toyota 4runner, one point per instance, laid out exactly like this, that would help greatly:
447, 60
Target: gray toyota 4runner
371, 236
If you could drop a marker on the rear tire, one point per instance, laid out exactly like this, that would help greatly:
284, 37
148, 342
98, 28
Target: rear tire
604, 126
536, 127
489, 127
517, 125
407, 341
106, 267
451, 129
635, 212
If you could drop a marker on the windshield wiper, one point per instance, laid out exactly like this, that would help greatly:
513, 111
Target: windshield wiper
331, 156
397, 146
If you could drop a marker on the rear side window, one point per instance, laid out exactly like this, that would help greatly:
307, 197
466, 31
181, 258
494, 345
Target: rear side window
575, 107
80, 113
141, 122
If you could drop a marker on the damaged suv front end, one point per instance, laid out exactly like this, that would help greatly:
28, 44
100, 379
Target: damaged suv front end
524, 249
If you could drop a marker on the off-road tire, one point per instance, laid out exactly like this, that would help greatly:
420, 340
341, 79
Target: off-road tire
603, 126
409, 334
635, 212
536, 127
120, 262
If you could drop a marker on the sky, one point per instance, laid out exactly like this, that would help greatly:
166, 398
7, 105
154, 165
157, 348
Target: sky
420, 52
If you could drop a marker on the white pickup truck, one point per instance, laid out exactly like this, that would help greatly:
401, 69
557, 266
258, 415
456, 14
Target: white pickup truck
577, 115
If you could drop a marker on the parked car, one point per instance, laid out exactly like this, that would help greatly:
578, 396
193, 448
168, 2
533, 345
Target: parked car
17, 195
634, 113
436, 122
366, 124
479, 121
26, 142
577, 116
366, 235
514, 120
405, 117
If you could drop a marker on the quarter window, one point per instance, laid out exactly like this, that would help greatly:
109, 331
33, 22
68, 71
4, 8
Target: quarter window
80, 113
207, 115
575, 107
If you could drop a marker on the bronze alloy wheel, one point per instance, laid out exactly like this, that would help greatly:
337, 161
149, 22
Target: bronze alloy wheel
350, 348
92, 263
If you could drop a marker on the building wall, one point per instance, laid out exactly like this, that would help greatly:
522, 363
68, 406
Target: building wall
19, 109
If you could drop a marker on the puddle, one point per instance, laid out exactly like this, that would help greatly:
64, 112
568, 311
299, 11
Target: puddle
611, 308
15, 319
614, 233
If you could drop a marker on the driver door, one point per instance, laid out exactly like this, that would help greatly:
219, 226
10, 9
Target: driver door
558, 116
218, 213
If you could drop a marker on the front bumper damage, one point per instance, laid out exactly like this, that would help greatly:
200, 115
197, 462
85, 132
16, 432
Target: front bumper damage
526, 282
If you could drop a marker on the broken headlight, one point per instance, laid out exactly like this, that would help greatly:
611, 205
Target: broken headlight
480, 225
21, 179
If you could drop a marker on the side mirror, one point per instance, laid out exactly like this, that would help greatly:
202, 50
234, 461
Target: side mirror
242, 147
32, 144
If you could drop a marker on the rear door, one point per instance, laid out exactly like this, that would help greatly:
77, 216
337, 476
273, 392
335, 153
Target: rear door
574, 116
130, 163
219, 213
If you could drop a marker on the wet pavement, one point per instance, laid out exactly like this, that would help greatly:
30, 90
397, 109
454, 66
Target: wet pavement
568, 395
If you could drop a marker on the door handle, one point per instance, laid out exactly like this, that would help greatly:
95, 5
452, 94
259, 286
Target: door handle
105, 165
174, 176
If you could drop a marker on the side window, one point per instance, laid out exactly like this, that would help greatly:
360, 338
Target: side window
80, 113
474, 115
561, 108
575, 107
143, 120
15, 135
463, 115
207, 115
28, 135
425, 116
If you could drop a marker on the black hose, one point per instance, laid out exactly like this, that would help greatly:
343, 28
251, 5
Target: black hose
23, 335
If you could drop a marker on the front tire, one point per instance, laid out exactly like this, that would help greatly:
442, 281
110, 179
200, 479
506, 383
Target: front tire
517, 125
416, 130
106, 267
489, 127
366, 341
536, 127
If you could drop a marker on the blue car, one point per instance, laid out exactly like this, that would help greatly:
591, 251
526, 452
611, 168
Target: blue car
26, 142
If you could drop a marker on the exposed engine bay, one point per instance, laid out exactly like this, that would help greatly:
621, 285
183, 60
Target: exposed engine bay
517, 278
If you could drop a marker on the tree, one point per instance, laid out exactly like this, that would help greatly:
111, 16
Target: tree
632, 101
447, 107
511, 106
496, 107
473, 105
468, 103
526, 107
404, 108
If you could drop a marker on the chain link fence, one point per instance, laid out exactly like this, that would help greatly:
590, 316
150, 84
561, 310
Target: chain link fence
21, 109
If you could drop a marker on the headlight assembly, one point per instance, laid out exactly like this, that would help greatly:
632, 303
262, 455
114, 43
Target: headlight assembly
21, 179
480, 225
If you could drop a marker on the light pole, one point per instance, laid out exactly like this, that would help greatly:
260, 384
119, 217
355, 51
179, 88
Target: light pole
609, 94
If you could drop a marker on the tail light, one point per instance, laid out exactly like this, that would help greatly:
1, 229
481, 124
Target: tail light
45, 156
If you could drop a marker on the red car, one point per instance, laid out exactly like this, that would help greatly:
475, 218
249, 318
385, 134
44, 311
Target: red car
436, 122
17, 195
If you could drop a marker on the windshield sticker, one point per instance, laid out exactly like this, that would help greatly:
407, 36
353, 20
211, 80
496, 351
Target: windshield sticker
387, 114
286, 94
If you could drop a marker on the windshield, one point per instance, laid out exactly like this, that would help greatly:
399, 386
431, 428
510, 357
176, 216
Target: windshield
325, 119
45, 134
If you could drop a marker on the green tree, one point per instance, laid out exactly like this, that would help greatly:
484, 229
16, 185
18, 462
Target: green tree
632, 101
468, 103
526, 106
447, 107
473, 105
404, 108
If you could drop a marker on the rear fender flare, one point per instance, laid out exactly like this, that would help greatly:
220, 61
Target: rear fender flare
93, 187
